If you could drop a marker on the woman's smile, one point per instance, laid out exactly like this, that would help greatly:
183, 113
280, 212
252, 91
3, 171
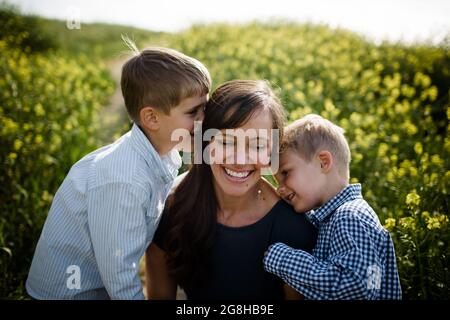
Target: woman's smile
237, 176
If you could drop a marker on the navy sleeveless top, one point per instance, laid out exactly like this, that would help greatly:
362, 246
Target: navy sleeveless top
236, 270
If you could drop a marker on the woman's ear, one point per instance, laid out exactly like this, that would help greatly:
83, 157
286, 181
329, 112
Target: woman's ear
148, 117
326, 160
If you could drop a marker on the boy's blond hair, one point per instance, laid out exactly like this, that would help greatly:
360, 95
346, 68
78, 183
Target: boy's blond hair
312, 134
161, 78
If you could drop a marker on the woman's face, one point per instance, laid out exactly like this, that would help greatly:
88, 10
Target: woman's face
237, 155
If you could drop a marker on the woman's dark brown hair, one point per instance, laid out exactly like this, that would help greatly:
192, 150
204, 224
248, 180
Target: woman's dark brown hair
192, 208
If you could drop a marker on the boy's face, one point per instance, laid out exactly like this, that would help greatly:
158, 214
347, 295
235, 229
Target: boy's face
301, 183
183, 117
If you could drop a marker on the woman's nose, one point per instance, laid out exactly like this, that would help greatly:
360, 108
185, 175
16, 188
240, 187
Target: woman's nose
281, 190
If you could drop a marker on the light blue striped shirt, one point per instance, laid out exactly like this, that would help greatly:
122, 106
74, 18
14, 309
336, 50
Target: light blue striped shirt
101, 221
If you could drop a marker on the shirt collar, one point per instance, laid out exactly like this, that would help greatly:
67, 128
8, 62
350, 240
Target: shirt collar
166, 167
349, 193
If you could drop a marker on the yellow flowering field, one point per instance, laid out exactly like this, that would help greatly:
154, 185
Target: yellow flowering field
48, 104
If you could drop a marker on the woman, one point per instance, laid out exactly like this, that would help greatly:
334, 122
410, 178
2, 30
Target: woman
222, 216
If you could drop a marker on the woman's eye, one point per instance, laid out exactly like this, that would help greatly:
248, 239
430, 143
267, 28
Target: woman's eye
225, 142
258, 147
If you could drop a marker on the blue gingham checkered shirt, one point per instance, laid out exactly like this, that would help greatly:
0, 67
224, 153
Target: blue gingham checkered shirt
354, 257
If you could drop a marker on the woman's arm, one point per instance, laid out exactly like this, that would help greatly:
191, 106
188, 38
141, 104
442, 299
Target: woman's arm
291, 294
160, 285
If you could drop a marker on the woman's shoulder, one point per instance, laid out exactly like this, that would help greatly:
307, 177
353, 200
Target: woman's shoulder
285, 214
293, 228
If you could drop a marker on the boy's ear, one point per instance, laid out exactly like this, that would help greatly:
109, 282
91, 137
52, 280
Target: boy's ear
326, 160
149, 118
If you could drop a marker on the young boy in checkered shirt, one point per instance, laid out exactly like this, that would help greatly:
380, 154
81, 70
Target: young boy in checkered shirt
354, 257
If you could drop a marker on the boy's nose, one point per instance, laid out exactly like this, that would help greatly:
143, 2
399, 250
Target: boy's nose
201, 115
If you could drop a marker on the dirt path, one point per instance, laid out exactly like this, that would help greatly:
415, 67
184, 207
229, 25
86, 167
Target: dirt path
113, 117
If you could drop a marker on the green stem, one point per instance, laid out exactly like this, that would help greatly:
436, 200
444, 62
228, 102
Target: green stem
421, 275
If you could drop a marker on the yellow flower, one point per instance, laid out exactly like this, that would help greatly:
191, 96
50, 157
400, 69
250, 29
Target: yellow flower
401, 172
433, 179
433, 93
406, 164
418, 148
357, 157
38, 139
17, 144
9, 126
46, 196
330, 107
355, 118
433, 223
442, 218
435, 159
382, 149
39, 110
412, 199
390, 176
408, 223
410, 128
68, 126
299, 96
421, 79
300, 112
394, 158
378, 67
425, 215
447, 177
389, 223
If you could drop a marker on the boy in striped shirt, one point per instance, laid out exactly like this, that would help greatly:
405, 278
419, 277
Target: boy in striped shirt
106, 211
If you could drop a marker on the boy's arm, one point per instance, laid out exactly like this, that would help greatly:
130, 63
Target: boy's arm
116, 218
342, 276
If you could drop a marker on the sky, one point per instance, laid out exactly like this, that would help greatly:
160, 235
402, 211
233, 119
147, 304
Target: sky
394, 20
